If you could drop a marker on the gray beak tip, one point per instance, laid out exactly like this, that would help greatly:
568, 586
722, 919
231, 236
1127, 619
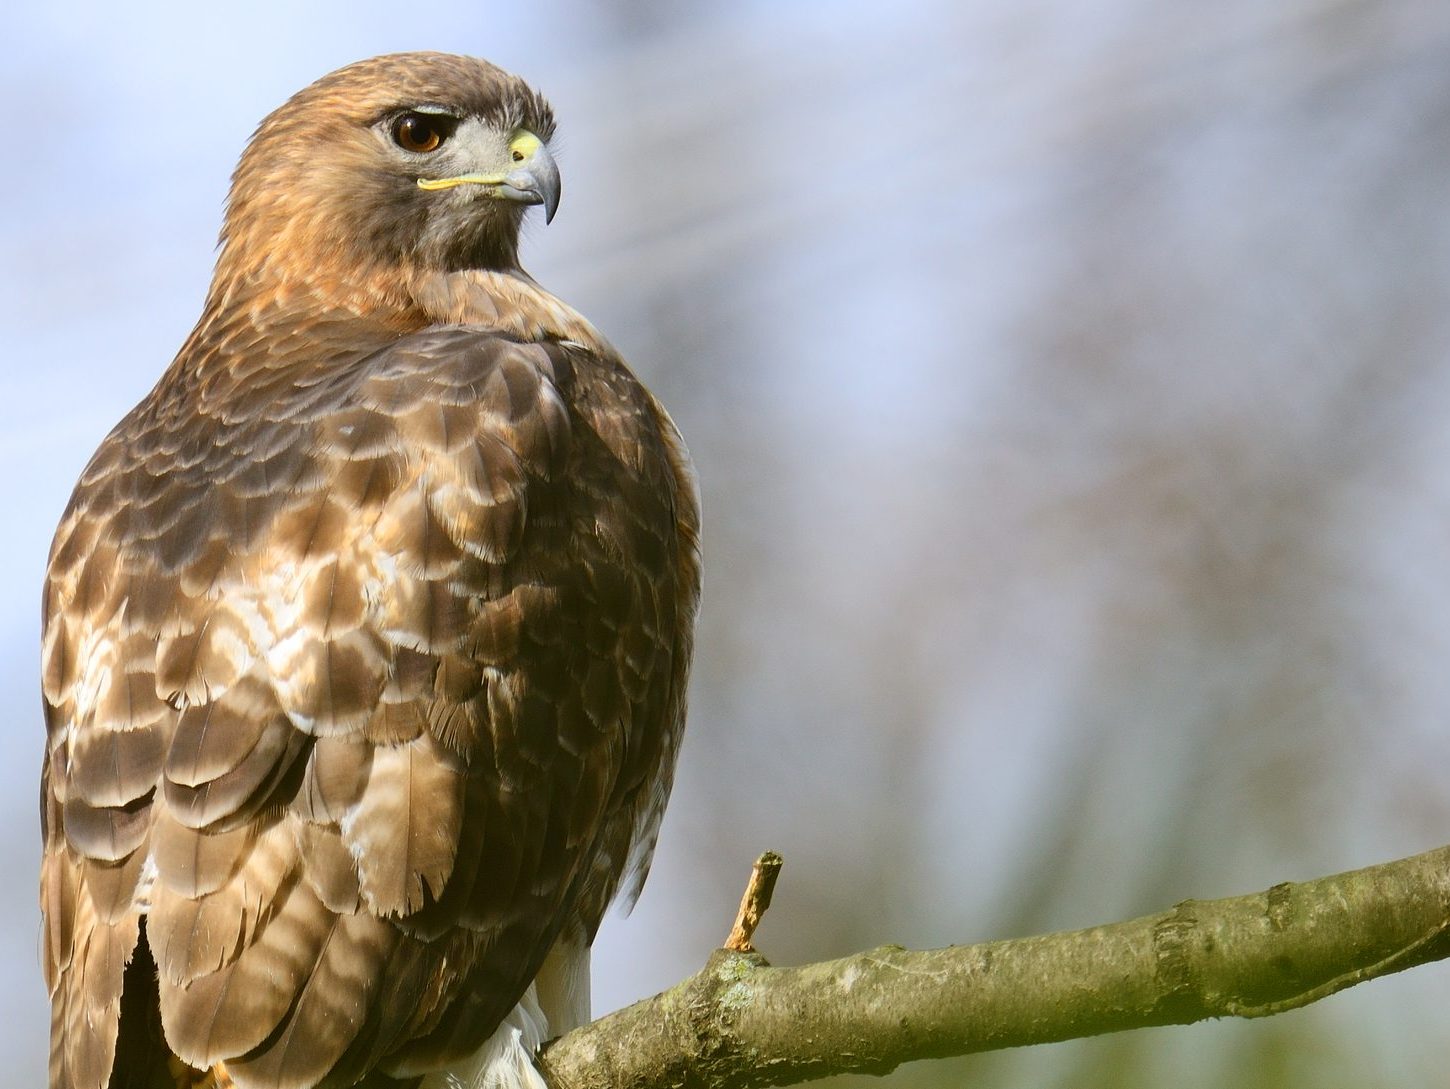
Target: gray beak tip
539, 180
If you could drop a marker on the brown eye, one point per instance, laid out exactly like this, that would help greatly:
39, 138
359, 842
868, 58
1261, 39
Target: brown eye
421, 132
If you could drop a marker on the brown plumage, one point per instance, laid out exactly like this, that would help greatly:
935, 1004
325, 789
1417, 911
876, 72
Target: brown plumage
366, 632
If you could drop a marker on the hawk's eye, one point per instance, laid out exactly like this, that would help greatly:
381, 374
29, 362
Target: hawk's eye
420, 132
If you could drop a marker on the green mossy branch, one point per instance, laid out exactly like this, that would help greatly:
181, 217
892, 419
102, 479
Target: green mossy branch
740, 1023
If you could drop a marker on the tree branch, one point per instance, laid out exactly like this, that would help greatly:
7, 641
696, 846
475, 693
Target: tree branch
741, 1023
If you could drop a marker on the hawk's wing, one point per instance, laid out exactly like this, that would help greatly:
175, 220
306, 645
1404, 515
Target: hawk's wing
360, 688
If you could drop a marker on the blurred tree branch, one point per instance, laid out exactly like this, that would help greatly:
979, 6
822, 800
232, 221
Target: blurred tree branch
740, 1022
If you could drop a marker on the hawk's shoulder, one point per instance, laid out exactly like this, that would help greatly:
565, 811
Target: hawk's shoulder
385, 667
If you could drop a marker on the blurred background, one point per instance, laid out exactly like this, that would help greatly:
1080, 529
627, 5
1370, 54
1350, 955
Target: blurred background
1068, 384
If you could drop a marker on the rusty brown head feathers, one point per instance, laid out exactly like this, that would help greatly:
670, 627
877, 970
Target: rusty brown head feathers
330, 180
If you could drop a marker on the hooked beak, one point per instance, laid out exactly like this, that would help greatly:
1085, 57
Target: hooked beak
532, 177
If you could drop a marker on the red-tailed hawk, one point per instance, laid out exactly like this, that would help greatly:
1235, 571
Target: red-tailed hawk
366, 633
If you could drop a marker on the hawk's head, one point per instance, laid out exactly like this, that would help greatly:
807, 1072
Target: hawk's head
404, 163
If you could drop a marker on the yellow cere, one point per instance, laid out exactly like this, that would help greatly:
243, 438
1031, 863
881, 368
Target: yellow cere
524, 144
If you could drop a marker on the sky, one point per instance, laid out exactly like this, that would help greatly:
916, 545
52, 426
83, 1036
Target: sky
1064, 383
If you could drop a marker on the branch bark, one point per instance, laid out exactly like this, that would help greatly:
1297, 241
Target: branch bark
740, 1023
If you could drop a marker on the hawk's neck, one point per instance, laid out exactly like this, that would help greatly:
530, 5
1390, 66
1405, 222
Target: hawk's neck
510, 302
308, 322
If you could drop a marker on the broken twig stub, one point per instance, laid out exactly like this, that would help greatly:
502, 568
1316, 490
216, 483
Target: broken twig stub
754, 903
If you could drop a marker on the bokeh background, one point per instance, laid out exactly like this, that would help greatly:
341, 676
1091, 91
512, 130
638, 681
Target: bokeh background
1068, 384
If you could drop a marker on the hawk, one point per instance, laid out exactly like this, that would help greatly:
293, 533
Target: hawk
366, 632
